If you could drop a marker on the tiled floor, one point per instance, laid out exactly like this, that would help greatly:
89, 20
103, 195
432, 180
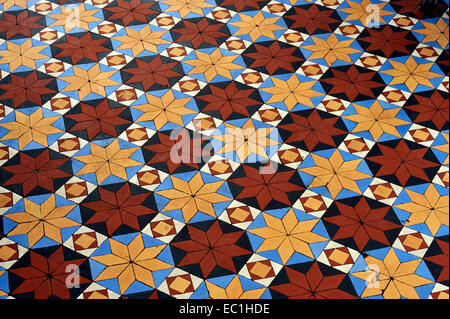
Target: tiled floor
347, 99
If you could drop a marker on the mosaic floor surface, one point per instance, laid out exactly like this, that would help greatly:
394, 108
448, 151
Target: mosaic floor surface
224, 149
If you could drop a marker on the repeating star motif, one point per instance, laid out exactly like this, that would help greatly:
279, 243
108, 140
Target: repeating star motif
224, 149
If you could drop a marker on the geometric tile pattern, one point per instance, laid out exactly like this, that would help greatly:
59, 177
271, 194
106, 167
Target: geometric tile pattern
94, 203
